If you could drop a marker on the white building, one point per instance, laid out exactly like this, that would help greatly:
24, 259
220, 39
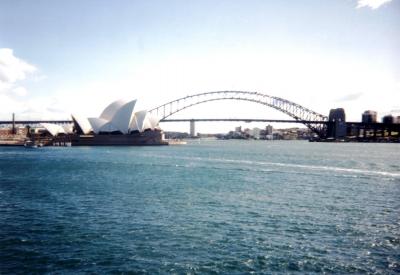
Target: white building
117, 118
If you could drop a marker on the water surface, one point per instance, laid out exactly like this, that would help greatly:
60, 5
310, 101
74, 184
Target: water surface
205, 207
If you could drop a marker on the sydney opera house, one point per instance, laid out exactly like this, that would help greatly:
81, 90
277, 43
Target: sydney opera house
118, 124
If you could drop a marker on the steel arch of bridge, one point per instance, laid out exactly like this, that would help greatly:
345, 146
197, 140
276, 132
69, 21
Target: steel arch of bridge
294, 110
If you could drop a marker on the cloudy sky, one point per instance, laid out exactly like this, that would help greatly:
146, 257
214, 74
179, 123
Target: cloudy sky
63, 57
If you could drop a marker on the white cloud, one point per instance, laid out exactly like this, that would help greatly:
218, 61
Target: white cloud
13, 71
373, 4
4, 87
13, 68
9, 106
350, 97
20, 91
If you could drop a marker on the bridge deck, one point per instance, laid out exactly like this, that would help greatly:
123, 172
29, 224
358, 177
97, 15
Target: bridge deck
34, 122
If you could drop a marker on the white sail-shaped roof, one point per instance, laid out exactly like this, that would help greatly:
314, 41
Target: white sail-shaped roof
117, 117
154, 120
142, 120
134, 125
97, 123
83, 123
108, 128
68, 128
123, 117
147, 123
112, 109
53, 129
137, 121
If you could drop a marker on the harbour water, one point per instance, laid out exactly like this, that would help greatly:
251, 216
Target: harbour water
205, 207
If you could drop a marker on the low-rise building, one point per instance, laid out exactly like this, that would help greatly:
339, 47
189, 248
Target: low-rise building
369, 116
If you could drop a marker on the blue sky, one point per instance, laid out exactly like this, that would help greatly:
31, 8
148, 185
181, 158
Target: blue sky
76, 56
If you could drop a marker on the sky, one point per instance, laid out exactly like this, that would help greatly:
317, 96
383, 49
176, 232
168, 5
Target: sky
63, 57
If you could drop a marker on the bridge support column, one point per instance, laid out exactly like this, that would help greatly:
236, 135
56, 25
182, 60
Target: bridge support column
192, 129
14, 130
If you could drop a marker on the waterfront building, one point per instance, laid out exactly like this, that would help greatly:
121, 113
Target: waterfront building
337, 124
117, 118
369, 117
6, 132
268, 130
256, 133
269, 137
54, 129
118, 124
337, 114
389, 119
277, 135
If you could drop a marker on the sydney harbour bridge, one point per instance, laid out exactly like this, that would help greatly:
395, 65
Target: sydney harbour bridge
313, 120
299, 114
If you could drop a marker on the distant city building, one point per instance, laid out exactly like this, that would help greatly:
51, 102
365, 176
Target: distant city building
256, 133
369, 117
389, 119
337, 124
5, 132
337, 114
269, 129
268, 134
176, 135
10, 131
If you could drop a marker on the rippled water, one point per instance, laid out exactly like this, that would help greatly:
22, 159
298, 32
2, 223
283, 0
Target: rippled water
204, 207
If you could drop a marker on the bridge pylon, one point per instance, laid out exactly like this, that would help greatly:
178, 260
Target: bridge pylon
192, 128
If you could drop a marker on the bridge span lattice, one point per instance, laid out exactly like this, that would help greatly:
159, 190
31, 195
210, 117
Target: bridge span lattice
313, 120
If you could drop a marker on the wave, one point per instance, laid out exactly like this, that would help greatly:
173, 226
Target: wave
318, 167
293, 165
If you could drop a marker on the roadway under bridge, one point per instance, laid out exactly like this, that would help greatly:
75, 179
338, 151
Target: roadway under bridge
33, 122
37, 122
248, 120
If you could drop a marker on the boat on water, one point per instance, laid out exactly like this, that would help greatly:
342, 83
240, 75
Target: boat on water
31, 144
176, 142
